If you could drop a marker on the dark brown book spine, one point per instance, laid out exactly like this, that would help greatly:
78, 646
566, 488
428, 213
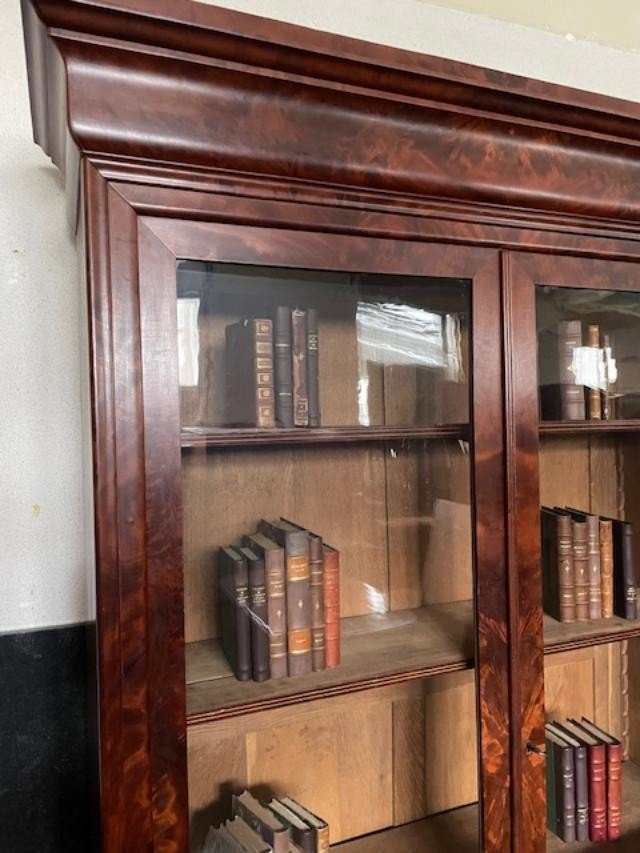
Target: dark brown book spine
624, 581
596, 757
595, 403
565, 793
313, 367
607, 399
582, 793
249, 373
283, 367
299, 361
331, 570
316, 564
606, 567
593, 554
581, 569
258, 615
557, 565
571, 395
233, 599
614, 790
274, 567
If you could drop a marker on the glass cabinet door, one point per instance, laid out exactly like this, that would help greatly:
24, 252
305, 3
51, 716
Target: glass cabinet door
337, 541
581, 320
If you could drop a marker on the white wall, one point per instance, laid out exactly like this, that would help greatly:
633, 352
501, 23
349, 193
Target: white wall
45, 519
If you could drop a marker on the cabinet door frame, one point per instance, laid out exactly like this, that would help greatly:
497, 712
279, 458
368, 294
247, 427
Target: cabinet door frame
522, 273
135, 233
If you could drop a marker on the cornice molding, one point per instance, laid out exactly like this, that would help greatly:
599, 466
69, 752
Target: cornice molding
175, 83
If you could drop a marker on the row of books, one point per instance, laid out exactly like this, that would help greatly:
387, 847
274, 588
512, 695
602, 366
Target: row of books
587, 566
279, 596
281, 826
584, 781
587, 375
272, 370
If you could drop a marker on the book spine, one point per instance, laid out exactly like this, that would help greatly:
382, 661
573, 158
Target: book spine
606, 567
581, 570
628, 573
233, 593
331, 583
263, 363
258, 615
316, 564
566, 577
299, 367
594, 568
571, 395
614, 791
552, 804
595, 401
582, 793
283, 367
597, 793
322, 839
313, 367
298, 603
277, 614
607, 400
565, 794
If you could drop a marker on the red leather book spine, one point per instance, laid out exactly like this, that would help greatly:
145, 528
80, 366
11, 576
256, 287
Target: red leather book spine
597, 793
331, 581
614, 790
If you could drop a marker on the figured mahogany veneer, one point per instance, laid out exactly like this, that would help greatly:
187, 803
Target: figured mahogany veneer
206, 134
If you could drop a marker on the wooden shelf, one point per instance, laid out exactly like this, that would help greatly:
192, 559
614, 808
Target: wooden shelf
456, 831
630, 840
377, 649
562, 636
587, 427
194, 437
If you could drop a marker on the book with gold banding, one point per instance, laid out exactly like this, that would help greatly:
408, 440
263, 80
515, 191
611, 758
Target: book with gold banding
614, 777
597, 765
283, 366
331, 584
557, 565
257, 614
594, 571
233, 601
572, 400
302, 835
319, 826
313, 367
249, 373
274, 565
262, 820
299, 367
606, 566
562, 756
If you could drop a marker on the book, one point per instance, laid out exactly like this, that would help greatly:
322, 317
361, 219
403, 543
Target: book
316, 571
298, 592
572, 403
274, 566
313, 367
596, 762
550, 771
581, 566
606, 567
581, 771
299, 367
262, 820
624, 576
593, 394
557, 565
320, 827
593, 560
331, 586
283, 376
233, 600
607, 396
258, 615
220, 840
564, 775
247, 837
249, 373
302, 835
614, 777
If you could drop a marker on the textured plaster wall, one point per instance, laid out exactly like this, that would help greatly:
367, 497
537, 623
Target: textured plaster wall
45, 509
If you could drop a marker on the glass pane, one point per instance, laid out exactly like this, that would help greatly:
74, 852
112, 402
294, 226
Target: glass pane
589, 366
328, 574
589, 492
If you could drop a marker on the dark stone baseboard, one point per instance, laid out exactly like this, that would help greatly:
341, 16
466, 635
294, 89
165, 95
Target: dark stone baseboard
48, 744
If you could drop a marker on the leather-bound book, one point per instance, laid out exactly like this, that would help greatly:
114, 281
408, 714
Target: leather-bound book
296, 545
262, 820
565, 792
606, 566
593, 394
316, 570
283, 366
624, 576
581, 567
331, 583
220, 840
313, 367
247, 837
319, 826
597, 766
233, 599
582, 780
274, 567
557, 565
299, 367
572, 402
593, 558
614, 777
249, 373
258, 615
302, 836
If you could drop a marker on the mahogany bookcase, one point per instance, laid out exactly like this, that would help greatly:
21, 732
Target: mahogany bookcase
254, 160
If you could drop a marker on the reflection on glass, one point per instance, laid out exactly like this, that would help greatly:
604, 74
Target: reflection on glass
263, 347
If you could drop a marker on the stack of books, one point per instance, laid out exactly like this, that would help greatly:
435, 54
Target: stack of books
587, 566
279, 595
584, 781
281, 826
272, 370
